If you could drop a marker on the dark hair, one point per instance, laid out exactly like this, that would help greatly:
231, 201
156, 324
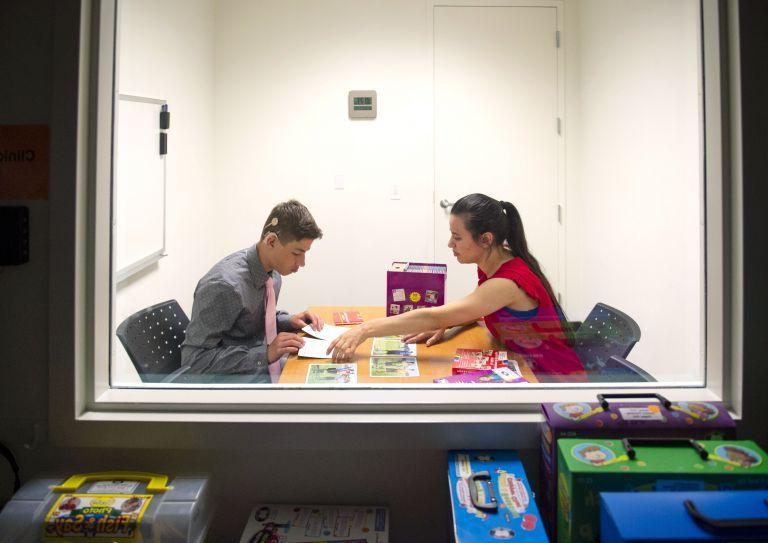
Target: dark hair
483, 214
291, 221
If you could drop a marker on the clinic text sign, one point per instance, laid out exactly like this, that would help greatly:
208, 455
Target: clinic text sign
24, 162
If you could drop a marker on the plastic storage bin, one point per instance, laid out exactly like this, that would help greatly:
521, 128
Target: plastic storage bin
114, 506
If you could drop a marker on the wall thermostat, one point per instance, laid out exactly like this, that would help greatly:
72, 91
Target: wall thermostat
362, 104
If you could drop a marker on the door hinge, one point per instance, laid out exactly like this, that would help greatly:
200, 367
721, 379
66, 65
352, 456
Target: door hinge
559, 214
559, 299
559, 126
557, 39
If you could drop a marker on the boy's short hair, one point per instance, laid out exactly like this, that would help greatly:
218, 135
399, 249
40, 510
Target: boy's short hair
291, 221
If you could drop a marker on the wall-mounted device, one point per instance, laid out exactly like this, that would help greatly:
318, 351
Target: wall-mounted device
14, 235
362, 104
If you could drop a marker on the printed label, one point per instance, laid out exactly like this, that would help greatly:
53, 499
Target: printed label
99, 516
113, 487
641, 413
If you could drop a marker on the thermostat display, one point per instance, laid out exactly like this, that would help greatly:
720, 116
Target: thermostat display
362, 104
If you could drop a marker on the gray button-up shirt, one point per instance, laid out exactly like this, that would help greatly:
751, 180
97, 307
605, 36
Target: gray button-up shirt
226, 331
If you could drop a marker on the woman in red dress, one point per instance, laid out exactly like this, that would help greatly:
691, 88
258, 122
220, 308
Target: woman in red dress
513, 296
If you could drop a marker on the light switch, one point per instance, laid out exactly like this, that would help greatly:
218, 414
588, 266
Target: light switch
338, 182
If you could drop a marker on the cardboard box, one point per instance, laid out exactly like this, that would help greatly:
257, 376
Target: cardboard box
610, 416
590, 466
412, 285
491, 499
317, 524
716, 516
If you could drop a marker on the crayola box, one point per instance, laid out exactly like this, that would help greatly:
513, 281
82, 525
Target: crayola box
647, 415
491, 499
590, 466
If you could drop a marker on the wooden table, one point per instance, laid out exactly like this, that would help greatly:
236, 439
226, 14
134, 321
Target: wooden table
434, 361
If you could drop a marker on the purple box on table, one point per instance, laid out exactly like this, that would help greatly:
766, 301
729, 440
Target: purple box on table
656, 418
411, 285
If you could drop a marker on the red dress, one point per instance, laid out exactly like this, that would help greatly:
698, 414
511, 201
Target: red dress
537, 334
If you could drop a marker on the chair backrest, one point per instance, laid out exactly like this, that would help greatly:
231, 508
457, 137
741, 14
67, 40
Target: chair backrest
152, 338
604, 333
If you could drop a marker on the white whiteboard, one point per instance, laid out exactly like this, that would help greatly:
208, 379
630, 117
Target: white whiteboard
138, 218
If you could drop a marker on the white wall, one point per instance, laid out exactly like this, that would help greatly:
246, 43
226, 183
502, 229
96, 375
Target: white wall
634, 173
283, 72
166, 50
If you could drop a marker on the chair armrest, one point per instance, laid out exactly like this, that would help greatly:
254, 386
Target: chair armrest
172, 376
619, 366
573, 326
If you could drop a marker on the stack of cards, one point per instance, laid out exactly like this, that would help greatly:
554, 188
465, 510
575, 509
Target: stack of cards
390, 357
473, 360
503, 374
347, 317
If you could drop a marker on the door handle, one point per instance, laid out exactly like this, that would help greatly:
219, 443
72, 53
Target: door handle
445, 204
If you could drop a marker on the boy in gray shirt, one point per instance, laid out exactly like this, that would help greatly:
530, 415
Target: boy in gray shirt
233, 313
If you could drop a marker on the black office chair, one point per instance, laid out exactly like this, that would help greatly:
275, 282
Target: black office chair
603, 342
152, 338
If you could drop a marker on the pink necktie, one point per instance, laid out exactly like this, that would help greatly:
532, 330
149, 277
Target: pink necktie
270, 324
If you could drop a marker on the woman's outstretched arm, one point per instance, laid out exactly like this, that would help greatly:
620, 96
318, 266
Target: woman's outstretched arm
484, 300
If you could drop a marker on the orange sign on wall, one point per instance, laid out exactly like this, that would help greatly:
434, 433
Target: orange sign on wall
24, 162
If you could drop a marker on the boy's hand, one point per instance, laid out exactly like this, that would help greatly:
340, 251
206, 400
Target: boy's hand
284, 343
300, 320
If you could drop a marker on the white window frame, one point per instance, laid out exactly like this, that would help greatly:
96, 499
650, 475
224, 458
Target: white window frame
81, 398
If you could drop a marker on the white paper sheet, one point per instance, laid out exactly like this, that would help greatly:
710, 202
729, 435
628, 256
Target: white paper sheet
315, 348
329, 331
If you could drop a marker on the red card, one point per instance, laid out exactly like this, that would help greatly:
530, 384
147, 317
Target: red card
346, 317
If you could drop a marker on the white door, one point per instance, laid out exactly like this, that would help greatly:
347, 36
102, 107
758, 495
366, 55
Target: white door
496, 127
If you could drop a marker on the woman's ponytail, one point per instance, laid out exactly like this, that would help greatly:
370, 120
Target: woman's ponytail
519, 247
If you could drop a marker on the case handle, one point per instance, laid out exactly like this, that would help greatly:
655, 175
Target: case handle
662, 442
156, 483
482, 476
601, 398
712, 524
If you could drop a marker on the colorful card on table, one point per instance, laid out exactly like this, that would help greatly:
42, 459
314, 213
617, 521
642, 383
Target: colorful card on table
325, 374
502, 374
472, 360
394, 367
392, 346
347, 317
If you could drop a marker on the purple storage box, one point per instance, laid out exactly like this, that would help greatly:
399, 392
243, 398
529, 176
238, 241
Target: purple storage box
608, 419
411, 285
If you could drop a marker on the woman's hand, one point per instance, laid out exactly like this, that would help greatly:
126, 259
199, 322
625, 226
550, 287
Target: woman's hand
431, 337
344, 346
